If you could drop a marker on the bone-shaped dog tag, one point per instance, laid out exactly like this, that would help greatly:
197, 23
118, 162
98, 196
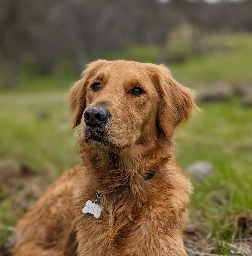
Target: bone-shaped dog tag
92, 208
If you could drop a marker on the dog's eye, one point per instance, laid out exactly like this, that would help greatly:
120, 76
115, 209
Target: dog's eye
96, 86
137, 91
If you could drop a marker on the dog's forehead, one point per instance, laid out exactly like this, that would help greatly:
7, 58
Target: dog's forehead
124, 70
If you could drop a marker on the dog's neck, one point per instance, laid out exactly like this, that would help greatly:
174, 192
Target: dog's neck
110, 167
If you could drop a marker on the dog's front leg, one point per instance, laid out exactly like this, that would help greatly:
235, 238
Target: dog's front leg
32, 249
48, 225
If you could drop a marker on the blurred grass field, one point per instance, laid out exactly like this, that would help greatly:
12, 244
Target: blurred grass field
36, 134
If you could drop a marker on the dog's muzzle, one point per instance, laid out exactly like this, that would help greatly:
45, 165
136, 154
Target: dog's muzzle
96, 118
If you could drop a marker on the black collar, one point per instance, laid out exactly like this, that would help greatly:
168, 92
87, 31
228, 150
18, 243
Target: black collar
148, 176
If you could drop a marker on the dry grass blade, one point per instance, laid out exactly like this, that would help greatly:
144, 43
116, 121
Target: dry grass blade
12, 229
236, 249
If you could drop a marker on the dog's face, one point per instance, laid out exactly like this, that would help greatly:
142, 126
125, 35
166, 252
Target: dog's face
119, 104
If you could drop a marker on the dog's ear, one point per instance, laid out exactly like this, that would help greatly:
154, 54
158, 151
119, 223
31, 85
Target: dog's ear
176, 101
77, 95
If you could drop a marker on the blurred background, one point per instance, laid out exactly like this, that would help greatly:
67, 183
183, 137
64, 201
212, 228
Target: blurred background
207, 45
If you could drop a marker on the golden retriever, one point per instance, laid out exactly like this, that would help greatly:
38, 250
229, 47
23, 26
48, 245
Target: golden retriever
128, 196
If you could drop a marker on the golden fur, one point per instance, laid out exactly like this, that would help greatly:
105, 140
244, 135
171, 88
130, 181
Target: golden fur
142, 215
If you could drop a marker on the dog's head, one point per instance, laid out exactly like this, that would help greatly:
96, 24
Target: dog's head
119, 104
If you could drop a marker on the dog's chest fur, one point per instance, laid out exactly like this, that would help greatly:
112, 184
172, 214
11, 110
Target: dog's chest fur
142, 217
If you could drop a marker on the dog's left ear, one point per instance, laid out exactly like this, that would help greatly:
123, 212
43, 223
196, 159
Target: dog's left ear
176, 101
77, 95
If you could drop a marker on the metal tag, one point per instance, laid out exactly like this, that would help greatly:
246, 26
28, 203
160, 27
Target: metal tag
92, 208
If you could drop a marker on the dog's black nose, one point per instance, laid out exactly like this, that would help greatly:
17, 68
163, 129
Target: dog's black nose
96, 116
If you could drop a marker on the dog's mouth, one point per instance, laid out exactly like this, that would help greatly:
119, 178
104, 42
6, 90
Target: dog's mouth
98, 136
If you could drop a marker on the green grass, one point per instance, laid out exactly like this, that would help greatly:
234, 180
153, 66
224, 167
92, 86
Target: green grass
220, 134
35, 132
231, 64
31, 138
33, 83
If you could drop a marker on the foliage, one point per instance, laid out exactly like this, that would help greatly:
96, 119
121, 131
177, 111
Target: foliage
136, 53
45, 33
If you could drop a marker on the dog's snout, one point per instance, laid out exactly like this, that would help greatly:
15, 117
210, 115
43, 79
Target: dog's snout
96, 116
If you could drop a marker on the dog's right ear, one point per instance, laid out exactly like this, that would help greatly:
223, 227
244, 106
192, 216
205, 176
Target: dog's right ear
77, 95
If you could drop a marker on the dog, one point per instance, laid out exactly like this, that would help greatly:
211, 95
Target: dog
128, 196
